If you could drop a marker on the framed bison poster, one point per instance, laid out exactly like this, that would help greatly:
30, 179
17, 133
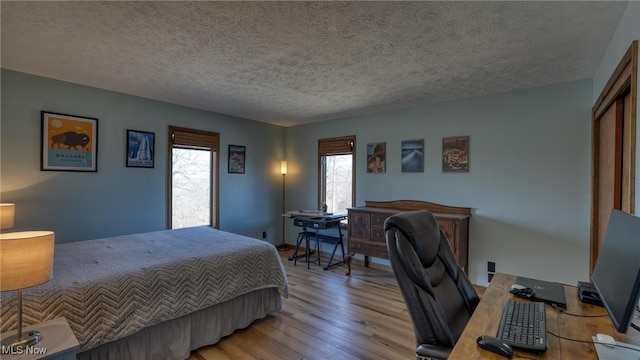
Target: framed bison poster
69, 142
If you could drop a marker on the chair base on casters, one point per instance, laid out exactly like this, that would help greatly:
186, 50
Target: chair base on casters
432, 352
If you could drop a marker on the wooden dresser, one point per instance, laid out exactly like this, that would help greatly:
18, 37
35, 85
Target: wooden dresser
366, 227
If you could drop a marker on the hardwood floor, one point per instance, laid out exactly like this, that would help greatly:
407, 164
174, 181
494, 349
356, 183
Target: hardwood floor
328, 316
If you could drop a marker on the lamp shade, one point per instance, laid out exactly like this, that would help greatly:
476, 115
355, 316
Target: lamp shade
26, 259
283, 167
7, 215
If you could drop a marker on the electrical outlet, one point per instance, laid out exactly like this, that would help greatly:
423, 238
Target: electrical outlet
264, 234
491, 266
491, 270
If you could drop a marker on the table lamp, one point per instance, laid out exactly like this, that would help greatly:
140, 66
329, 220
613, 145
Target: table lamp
26, 260
7, 215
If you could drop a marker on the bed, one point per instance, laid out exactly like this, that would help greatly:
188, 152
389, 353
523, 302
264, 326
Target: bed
155, 295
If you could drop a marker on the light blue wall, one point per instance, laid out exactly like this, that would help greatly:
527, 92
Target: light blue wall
529, 178
528, 181
627, 31
120, 200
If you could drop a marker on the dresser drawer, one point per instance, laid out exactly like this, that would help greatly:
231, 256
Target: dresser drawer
299, 222
378, 220
377, 235
368, 248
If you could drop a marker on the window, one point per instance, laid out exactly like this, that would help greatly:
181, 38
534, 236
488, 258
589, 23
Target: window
193, 178
337, 178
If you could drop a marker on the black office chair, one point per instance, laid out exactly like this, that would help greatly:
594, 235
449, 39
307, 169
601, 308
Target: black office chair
438, 295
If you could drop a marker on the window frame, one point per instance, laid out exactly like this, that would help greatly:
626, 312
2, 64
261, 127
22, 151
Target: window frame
342, 145
186, 138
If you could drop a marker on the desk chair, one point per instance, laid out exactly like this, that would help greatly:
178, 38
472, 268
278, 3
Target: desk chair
439, 297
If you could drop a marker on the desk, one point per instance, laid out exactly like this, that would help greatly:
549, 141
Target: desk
316, 222
486, 318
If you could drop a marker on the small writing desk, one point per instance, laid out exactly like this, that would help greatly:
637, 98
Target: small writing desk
486, 319
318, 221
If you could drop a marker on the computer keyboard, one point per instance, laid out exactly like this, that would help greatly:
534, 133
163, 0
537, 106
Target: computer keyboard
523, 325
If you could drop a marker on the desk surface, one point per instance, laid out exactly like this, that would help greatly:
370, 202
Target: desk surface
486, 318
315, 214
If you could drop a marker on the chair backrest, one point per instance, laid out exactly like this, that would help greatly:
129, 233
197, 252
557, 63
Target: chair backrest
439, 296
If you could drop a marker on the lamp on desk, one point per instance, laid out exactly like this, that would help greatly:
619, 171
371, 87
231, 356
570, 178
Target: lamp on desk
283, 171
26, 260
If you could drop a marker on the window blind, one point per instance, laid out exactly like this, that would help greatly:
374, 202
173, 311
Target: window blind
194, 139
336, 146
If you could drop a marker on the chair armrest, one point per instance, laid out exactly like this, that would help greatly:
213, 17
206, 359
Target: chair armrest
432, 351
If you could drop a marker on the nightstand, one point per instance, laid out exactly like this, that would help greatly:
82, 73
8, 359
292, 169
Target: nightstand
58, 343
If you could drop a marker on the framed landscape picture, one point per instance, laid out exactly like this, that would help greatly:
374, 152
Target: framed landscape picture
455, 154
236, 159
68, 142
412, 155
140, 149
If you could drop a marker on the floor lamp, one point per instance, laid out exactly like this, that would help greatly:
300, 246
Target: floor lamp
283, 171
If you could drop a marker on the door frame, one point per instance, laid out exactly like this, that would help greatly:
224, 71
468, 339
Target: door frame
624, 79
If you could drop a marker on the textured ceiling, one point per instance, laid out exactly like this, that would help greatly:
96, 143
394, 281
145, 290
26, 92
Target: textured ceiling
289, 63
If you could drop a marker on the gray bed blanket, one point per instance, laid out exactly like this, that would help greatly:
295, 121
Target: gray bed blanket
110, 288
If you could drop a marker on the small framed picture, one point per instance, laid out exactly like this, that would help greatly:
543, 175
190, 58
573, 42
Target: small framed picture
236, 159
140, 149
377, 157
412, 155
455, 154
68, 142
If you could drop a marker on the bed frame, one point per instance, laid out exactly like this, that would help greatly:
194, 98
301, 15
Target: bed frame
175, 339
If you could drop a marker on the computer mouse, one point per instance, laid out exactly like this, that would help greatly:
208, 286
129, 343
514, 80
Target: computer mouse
494, 345
525, 292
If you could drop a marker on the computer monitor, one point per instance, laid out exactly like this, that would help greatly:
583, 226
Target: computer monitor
617, 272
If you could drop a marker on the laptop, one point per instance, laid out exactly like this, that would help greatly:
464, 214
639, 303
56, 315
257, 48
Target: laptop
549, 292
